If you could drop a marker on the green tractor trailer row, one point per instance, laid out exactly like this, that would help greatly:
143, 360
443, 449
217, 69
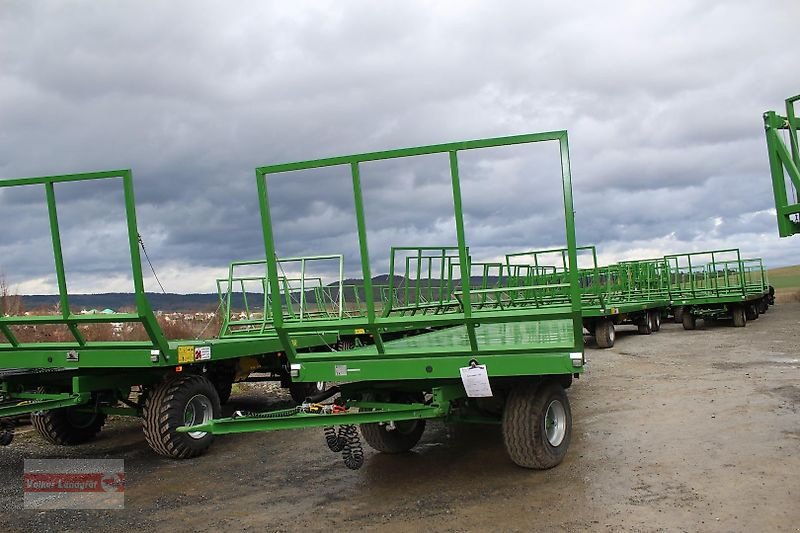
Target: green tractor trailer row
446, 337
393, 357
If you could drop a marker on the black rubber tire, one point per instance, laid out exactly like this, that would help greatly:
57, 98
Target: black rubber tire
645, 327
222, 379
751, 311
165, 410
301, 391
604, 333
656, 321
524, 425
7, 426
677, 314
739, 317
688, 320
405, 436
67, 427
763, 305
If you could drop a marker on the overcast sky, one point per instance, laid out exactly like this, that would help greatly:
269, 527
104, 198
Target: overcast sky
662, 102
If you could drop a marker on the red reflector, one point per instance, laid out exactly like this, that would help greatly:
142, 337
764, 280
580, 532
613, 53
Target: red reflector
178, 369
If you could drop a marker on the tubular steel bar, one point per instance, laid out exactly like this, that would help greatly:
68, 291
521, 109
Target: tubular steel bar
784, 162
144, 313
467, 312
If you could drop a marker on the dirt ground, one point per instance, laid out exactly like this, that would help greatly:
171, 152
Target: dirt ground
677, 431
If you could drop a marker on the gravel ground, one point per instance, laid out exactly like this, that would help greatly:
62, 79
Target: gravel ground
677, 431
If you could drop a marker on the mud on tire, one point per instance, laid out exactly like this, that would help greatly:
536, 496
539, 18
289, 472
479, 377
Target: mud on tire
180, 400
537, 425
67, 426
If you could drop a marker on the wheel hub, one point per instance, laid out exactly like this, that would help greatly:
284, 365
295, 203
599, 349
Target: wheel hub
555, 423
198, 411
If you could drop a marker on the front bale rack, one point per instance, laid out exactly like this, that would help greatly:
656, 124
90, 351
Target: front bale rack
70, 386
448, 337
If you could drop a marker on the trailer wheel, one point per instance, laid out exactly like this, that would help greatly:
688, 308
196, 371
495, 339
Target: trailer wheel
677, 314
656, 319
537, 425
221, 376
739, 318
604, 333
403, 437
67, 426
302, 390
689, 320
751, 312
182, 400
763, 305
645, 325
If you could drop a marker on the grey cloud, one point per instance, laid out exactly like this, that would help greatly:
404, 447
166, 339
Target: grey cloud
662, 104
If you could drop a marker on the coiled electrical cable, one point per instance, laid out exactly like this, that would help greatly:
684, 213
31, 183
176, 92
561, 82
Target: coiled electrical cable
353, 453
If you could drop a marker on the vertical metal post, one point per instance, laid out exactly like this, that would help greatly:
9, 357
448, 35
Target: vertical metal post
792, 120
364, 251
302, 287
463, 256
59, 261
341, 286
272, 265
569, 214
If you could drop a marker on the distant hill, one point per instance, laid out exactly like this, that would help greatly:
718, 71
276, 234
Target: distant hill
209, 301
120, 300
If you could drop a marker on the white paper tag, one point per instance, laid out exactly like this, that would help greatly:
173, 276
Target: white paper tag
476, 381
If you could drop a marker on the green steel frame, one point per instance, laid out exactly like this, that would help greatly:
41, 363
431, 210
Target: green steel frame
710, 282
621, 291
517, 329
784, 166
79, 367
377, 362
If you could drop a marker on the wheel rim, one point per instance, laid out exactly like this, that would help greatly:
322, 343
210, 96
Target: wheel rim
611, 332
198, 411
555, 423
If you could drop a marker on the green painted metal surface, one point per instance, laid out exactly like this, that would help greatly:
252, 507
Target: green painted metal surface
715, 277
784, 166
436, 289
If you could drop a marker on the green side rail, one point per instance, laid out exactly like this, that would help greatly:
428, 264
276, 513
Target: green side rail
144, 313
714, 276
529, 355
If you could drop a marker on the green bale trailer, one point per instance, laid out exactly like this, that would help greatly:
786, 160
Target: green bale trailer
493, 349
431, 343
70, 386
717, 284
627, 293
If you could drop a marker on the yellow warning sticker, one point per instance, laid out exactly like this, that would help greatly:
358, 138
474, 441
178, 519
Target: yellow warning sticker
359, 331
294, 342
185, 354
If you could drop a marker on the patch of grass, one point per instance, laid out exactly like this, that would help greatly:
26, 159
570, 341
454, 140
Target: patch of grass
785, 278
